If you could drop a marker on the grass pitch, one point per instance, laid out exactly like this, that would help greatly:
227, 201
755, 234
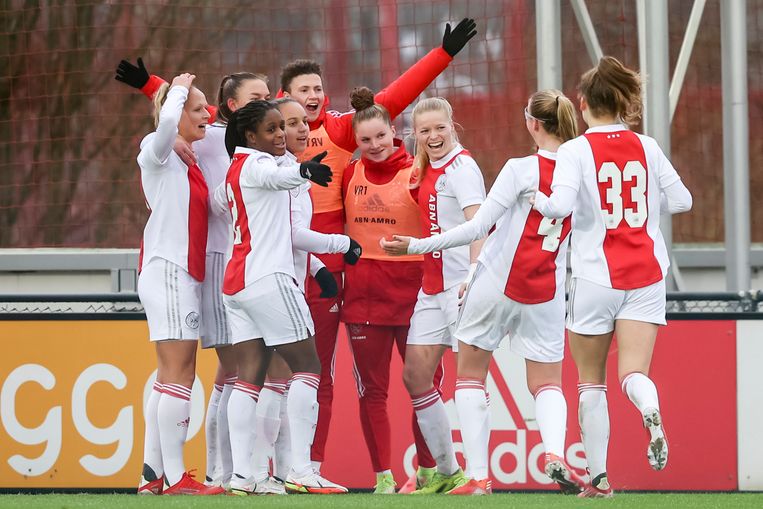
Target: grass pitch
499, 500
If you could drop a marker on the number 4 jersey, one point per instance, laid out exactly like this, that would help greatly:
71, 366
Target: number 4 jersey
618, 176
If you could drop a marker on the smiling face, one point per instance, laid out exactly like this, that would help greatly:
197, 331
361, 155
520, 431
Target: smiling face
375, 139
295, 120
434, 133
250, 90
308, 90
195, 117
269, 136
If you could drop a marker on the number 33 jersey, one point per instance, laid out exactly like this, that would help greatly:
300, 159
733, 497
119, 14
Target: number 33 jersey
618, 176
527, 251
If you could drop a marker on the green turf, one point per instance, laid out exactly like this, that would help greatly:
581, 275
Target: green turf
504, 501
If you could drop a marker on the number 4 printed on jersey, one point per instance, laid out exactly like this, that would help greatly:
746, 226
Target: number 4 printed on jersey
551, 231
635, 172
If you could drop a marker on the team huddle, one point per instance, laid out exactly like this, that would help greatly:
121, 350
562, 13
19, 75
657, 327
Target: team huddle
264, 233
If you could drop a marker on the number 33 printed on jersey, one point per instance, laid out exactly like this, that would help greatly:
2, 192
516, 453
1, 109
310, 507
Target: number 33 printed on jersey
611, 182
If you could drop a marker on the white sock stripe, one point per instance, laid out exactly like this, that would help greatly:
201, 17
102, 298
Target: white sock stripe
247, 389
157, 387
310, 379
170, 391
591, 387
178, 388
627, 378
425, 401
548, 387
230, 380
470, 384
278, 389
218, 388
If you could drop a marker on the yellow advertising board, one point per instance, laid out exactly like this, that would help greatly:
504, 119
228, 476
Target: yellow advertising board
72, 399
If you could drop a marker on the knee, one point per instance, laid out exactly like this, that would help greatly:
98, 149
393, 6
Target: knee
415, 381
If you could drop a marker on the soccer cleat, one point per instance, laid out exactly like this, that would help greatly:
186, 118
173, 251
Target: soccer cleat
569, 482
657, 452
473, 487
418, 480
385, 484
312, 483
599, 488
154, 487
441, 483
241, 486
187, 485
150, 484
270, 486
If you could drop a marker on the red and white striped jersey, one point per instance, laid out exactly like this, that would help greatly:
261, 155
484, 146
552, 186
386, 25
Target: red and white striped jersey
527, 253
259, 203
176, 195
618, 176
449, 186
214, 162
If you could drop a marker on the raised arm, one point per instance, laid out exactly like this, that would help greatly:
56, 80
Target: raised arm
164, 139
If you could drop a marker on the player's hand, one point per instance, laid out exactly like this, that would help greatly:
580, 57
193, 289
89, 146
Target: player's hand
327, 282
136, 77
530, 195
466, 283
353, 254
184, 150
398, 246
183, 80
538, 199
453, 42
315, 171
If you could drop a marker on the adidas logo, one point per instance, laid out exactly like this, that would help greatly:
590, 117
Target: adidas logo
184, 423
334, 308
374, 204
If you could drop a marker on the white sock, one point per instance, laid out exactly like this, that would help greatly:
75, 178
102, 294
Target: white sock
210, 432
593, 416
551, 414
152, 448
434, 425
282, 457
223, 433
302, 406
267, 420
641, 391
241, 409
472, 407
316, 466
173, 414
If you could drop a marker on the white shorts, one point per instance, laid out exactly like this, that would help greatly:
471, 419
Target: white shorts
592, 309
272, 308
171, 298
534, 331
434, 319
215, 330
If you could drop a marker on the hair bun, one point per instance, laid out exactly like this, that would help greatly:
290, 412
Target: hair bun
361, 98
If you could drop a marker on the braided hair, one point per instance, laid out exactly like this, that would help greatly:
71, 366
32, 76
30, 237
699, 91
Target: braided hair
245, 119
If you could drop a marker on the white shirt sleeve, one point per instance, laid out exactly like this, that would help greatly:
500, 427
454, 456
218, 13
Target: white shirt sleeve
475, 228
467, 183
564, 186
162, 143
315, 265
667, 173
305, 239
263, 172
675, 198
219, 202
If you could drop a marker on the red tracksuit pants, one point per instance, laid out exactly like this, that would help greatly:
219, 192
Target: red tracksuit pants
372, 352
325, 314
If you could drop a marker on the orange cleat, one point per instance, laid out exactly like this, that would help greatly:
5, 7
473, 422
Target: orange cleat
570, 483
473, 487
187, 485
599, 488
154, 487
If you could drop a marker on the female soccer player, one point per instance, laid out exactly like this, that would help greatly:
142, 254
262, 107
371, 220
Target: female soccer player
380, 293
271, 423
451, 189
209, 152
612, 180
518, 290
265, 306
332, 131
172, 269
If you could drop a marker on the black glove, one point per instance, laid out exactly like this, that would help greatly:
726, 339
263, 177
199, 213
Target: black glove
453, 42
315, 171
136, 77
353, 254
326, 281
